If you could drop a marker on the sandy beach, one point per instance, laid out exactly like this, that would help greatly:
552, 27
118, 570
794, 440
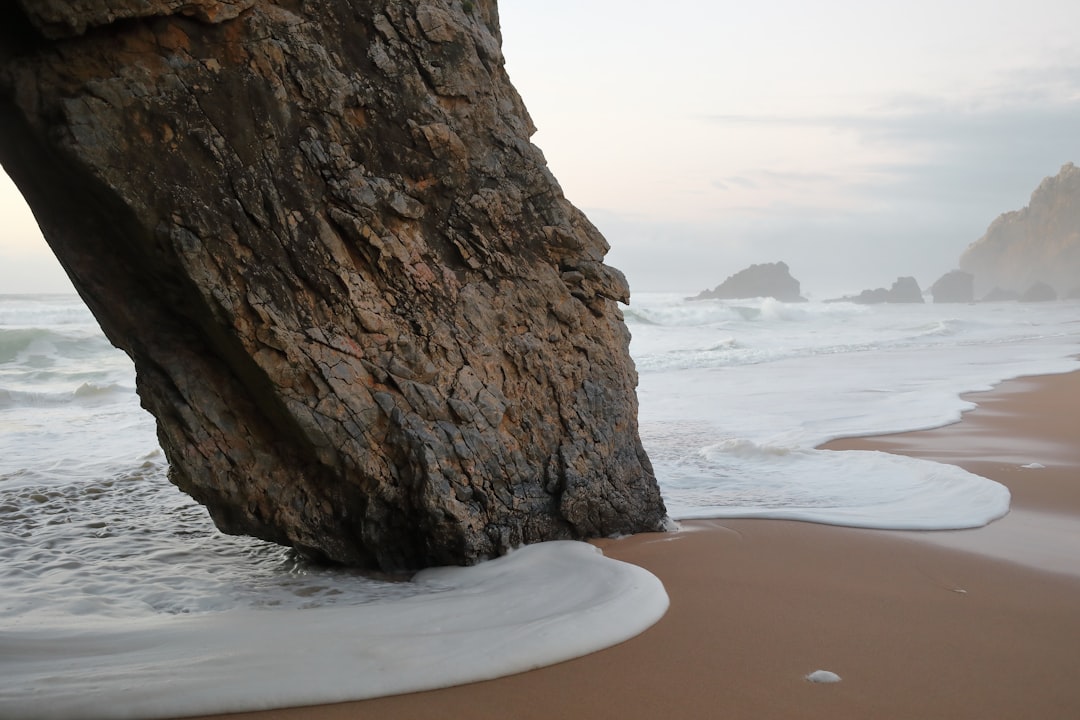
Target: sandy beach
914, 627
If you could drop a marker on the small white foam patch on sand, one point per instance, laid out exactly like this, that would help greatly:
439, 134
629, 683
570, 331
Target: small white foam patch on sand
823, 676
540, 605
1033, 466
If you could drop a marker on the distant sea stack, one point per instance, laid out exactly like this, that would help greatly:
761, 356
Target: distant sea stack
904, 290
763, 280
955, 286
1039, 243
369, 324
1039, 292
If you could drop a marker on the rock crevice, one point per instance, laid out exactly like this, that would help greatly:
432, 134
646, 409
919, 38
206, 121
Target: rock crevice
368, 323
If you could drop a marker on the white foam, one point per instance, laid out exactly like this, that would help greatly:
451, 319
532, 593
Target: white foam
1034, 466
731, 410
539, 605
823, 676
851, 488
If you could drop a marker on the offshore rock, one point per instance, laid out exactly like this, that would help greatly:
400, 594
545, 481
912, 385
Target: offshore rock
955, 286
1039, 292
904, 290
763, 280
1038, 243
367, 321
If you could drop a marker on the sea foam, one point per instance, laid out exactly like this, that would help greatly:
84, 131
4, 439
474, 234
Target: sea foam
539, 605
734, 404
823, 676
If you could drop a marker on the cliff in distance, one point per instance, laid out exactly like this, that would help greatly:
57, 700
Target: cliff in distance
367, 321
1039, 243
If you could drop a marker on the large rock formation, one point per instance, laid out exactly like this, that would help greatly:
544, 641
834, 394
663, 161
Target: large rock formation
764, 280
1040, 243
366, 319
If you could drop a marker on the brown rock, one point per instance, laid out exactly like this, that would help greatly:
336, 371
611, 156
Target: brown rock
367, 321
64, 18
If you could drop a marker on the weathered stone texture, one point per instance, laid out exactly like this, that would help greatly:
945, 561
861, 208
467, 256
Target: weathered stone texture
65, 18
368, 323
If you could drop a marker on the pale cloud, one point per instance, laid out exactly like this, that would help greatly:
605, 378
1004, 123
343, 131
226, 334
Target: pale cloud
765, 178
994, 151
735, 181
930, 176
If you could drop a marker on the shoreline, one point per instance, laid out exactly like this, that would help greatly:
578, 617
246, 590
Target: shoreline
1019, 422
913, 628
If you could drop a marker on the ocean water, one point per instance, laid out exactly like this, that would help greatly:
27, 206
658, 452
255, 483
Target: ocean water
120, 599
736, 396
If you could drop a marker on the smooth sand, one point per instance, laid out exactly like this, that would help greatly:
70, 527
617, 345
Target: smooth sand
915, 630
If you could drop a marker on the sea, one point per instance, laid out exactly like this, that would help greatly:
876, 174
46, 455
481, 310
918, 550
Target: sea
121, 600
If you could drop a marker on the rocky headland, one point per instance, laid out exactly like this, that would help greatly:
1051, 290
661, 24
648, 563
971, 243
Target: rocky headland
368, 322
1039, 243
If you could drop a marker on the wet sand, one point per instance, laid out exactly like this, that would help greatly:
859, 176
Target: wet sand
914, 627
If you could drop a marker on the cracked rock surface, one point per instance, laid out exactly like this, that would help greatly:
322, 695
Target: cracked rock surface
367, 321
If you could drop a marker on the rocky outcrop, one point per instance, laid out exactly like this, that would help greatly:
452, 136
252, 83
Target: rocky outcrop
1040, 243
1039, 292
955, 286
765, 280
904, 290
999, 295
367, 321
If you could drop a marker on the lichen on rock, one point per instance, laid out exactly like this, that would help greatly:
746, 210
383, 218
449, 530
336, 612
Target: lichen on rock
368, 322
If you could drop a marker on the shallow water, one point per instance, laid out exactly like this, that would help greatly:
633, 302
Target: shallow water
108, 567
1041, 540
539, 605
736, 396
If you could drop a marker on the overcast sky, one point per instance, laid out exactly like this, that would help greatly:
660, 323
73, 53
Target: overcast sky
855, 140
